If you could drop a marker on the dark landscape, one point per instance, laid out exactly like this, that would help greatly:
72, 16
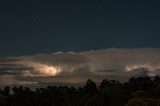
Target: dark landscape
141, 91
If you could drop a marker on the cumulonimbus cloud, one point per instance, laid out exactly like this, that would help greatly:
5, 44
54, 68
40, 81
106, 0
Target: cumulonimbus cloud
113, 63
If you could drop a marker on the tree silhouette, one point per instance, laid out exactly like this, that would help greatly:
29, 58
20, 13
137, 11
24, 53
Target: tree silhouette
6, 91
91, 87
140, 91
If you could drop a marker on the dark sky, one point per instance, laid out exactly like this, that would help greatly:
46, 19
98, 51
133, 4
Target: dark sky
30, 27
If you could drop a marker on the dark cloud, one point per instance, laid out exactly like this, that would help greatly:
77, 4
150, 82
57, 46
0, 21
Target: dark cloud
139, 72
7, 60
14, 67
82, 71
11, 80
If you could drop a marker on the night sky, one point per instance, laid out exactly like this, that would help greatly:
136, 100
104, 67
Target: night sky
32, 27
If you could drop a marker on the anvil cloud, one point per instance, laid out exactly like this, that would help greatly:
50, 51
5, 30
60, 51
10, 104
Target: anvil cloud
77, 67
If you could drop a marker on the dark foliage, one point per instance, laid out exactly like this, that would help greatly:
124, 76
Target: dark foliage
136, 92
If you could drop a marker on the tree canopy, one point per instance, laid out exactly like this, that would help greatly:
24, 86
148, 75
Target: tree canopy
142, 91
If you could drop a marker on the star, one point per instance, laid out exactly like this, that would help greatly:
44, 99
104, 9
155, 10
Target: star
34, 18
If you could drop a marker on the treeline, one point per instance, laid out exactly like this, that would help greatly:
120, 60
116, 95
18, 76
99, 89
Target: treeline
142, 91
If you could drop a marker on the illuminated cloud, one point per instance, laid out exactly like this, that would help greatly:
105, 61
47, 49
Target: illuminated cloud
76, 67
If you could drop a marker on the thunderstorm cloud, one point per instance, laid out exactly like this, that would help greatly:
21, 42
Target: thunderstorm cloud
76, 67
